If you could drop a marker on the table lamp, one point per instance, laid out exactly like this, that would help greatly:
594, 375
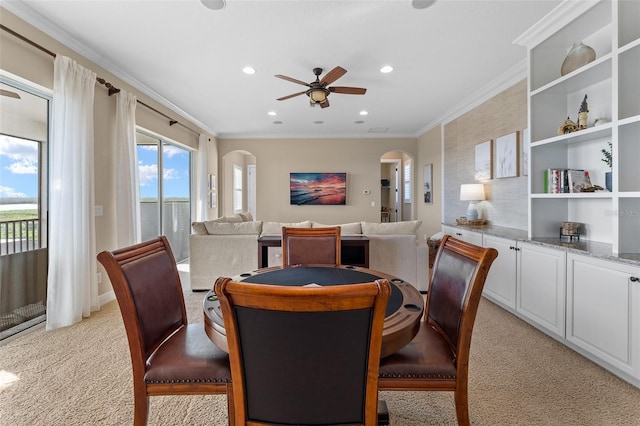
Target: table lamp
472, 192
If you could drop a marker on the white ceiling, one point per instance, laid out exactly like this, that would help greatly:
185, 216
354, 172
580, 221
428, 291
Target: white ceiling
190, 57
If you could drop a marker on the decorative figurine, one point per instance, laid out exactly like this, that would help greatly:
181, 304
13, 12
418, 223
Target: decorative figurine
582, 114
568, 126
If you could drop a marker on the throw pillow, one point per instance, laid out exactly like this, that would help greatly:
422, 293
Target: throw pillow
199, 228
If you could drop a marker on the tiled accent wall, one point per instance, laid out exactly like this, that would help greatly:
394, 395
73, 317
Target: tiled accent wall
503, 114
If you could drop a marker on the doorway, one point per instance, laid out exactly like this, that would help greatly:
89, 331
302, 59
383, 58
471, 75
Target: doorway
164, 170
390, 179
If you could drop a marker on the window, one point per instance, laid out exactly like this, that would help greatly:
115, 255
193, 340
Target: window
237, 188
407, 181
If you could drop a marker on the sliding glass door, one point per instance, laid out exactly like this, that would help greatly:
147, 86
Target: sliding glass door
24, 131
165, 192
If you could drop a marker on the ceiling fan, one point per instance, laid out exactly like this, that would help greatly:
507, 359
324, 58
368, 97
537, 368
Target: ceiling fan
318, 91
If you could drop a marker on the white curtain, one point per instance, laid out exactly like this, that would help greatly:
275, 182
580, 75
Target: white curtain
72, 289
202, 180
126, 171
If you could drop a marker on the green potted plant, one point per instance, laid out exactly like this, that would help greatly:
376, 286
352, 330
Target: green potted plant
607, 158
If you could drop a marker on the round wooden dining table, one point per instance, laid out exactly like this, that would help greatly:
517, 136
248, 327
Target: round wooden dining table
404, 308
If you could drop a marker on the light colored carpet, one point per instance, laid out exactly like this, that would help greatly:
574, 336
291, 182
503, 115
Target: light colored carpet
81, 375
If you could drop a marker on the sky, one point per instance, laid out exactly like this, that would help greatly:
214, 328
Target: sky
19, 170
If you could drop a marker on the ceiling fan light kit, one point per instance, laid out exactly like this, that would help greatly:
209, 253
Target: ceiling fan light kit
318, 91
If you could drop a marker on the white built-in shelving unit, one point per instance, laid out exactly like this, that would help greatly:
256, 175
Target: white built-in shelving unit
612, 84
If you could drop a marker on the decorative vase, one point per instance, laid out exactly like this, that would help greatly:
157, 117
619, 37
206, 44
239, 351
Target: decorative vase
607, 181
578, 56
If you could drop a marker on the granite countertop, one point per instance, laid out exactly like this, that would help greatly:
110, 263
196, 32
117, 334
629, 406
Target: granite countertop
583, 247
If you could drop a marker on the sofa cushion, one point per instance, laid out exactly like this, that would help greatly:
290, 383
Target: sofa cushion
275, 228
391, 228
198, 228
233, 228
354, 228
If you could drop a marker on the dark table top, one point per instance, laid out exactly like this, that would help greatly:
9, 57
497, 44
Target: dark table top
404, 308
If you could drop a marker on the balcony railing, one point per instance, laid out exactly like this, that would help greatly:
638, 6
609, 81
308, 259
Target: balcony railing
18, 236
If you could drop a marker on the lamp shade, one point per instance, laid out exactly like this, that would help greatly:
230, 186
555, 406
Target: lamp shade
472, 192
318, 95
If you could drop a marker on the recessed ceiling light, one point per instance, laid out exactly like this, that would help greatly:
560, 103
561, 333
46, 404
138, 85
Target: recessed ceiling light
422, 4
248, 70
272, 113
214, 4
364, 113
386, 69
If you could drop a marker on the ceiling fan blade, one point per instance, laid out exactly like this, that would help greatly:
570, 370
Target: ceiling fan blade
9, 94
333, 75
291, 96
293, 80
324, 104
348, 90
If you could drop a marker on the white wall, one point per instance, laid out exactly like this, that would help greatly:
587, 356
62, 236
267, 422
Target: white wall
429, 152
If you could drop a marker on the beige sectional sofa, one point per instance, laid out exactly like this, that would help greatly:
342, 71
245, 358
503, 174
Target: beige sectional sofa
228, 246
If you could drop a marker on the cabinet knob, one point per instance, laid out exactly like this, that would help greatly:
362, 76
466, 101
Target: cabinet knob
634, 279
458, 234
512, 248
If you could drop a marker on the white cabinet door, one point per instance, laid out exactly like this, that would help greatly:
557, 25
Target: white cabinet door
463, 234
603, 311
541, 287
500, 286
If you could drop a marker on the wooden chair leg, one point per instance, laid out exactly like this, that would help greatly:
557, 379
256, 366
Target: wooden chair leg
462, 405
230, 409
140, 408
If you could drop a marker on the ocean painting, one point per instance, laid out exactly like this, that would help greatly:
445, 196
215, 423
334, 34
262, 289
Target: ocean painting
318, 188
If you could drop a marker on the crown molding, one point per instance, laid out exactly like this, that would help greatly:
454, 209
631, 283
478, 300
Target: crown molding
559, 17
364, 135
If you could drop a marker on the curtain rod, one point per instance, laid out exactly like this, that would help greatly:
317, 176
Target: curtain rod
112, 89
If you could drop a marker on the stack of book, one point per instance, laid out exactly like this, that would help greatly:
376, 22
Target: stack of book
561, 181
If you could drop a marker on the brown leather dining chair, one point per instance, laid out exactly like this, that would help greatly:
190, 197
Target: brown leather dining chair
311, 246
168, 356
304, 355
437, 359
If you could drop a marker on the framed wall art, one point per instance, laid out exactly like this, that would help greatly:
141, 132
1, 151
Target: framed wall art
318, 188
428, 184
483, 159
507, 156
213, 192
525, 151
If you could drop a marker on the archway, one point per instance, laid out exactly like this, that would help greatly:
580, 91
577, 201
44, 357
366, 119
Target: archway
238, 183
397, 182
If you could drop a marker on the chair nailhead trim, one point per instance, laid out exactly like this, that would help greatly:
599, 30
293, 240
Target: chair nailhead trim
416, 376
188, 381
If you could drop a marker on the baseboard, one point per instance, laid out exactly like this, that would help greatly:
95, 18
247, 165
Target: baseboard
107, 297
